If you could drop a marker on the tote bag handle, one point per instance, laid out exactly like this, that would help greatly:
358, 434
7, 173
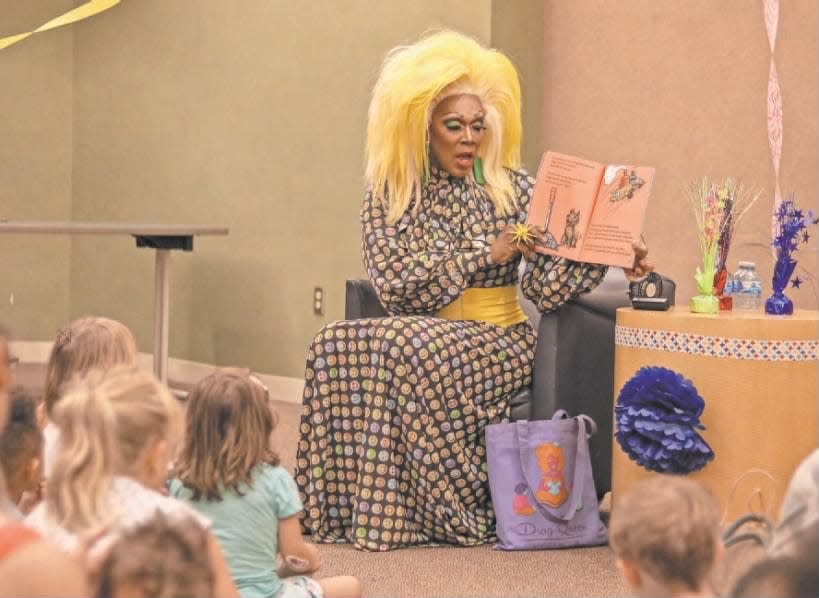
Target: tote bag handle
580, 459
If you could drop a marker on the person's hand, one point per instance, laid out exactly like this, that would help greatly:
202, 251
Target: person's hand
506, 246
538, 234
292, 565
641, 265
31, 498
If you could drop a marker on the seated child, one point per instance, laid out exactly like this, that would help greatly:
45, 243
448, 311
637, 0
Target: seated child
227, 471
85, 344
21, 448
118, 430
161, 558
666, 536
22, 551
792, 576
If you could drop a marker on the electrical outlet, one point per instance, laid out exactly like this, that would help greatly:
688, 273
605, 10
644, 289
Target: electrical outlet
318, 301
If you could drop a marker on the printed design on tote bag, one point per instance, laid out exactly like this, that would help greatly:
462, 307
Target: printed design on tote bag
551, 532
520, 503
551, 490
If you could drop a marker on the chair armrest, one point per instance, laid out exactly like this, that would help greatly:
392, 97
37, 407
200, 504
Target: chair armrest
361, 301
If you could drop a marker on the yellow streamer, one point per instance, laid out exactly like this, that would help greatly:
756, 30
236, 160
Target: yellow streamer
89, 9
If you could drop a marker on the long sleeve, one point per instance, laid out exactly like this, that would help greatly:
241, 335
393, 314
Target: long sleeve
550, 281
410, 279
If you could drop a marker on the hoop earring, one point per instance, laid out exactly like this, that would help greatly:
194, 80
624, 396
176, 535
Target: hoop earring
477, 171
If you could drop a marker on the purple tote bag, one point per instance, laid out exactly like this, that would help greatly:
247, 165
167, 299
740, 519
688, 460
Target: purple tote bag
541, 482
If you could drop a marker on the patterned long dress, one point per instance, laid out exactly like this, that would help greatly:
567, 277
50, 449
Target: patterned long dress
392, 449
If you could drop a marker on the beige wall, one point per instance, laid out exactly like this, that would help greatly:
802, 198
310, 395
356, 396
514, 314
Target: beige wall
35, 167
518, 30
251, 114
682, 86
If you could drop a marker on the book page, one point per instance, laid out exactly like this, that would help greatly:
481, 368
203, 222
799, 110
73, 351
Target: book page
617, 219
562, 202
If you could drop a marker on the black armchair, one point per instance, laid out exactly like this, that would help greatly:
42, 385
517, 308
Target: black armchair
574, 358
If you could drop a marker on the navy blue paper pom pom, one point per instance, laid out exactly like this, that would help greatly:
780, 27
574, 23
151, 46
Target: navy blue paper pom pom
657, 418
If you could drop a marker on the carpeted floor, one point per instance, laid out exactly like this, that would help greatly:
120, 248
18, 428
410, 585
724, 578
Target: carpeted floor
444, 572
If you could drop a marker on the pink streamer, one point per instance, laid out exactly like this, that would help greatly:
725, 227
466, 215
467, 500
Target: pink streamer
771, 8
771, 11
774, 118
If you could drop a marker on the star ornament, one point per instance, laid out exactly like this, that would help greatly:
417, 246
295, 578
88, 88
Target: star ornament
796, 282
522, 234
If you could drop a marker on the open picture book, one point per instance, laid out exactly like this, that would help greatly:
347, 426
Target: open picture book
591, 212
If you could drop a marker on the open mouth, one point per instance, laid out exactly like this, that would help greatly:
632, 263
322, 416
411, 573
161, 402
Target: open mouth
464, 160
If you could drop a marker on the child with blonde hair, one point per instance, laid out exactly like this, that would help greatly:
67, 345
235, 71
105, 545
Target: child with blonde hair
666, 536
118, 431
228, 472
85, 344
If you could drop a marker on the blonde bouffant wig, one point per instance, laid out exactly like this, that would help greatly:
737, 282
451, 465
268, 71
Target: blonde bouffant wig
413, 80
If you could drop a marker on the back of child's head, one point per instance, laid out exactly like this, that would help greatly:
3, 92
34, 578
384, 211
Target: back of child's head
84, 345
792, 576
228, 423
107, 420
21, 444
668, 528
158, 559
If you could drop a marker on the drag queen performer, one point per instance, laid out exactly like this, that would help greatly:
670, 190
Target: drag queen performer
392, 450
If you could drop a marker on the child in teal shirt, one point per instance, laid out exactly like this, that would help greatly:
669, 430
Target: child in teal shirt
228, 473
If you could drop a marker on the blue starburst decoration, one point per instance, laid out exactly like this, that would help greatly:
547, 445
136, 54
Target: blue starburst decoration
791, 232
658, 422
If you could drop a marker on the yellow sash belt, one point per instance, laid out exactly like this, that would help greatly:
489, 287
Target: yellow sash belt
495, 305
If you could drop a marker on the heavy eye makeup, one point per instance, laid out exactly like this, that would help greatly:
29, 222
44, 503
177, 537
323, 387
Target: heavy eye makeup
456, 124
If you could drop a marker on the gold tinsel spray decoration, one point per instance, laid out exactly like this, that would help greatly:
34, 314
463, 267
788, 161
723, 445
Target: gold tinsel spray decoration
522, 233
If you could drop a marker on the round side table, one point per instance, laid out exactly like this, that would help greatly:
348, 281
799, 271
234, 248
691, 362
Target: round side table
758, 377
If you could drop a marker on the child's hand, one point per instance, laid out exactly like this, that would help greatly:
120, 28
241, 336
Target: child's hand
31, 498
297, 564
292, 565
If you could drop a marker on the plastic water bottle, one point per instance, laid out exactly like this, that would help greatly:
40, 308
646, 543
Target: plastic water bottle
746, 287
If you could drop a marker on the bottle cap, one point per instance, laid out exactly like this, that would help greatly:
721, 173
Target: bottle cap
747, 265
